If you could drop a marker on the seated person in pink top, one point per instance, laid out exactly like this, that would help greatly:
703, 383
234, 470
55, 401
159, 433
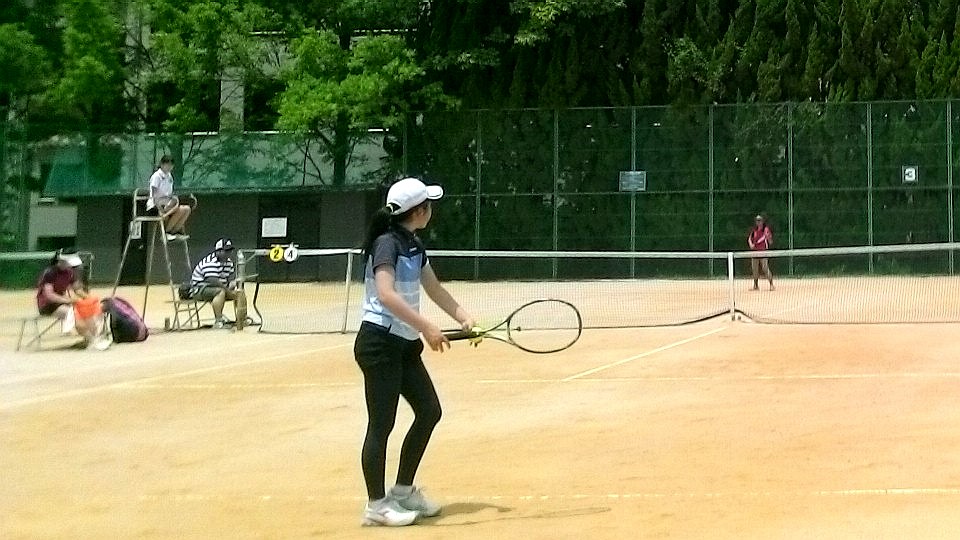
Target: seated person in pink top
59, 287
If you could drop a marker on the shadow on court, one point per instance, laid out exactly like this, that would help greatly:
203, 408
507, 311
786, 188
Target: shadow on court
458, 514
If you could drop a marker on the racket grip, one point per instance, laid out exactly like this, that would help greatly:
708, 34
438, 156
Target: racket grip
454, 335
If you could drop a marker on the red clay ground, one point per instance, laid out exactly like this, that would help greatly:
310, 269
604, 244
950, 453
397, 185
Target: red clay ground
716, 430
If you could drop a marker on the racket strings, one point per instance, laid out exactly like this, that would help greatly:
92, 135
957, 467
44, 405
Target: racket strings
545, 326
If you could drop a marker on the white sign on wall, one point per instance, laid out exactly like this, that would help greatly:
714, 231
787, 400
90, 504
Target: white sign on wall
633, 180
273, 227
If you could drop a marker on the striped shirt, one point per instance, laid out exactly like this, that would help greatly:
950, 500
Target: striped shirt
403, 251
210, 267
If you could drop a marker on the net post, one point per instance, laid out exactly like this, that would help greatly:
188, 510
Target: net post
733, 304
241, 267
346, 301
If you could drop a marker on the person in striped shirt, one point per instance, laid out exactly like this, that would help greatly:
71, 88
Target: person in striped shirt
214, 280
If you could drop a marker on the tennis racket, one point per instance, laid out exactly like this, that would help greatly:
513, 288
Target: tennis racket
541, 326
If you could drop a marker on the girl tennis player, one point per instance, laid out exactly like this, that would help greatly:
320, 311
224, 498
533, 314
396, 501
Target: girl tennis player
760, 239
388, 349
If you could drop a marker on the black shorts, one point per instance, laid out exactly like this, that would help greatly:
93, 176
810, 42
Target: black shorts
49, 309
375, 345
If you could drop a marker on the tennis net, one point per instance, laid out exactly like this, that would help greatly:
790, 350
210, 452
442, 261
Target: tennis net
20, 269
321, 291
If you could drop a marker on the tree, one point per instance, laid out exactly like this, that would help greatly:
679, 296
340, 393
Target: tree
689, 72
26, 73
335, 94
26, 68
541, 21
467, 46
90, 88
193, 58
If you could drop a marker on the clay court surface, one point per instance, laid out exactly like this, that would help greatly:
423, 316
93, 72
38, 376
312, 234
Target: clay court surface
718, 429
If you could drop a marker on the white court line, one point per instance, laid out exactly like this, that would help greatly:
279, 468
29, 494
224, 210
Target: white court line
745, 378
800, 377
191, 351
642, 355
147, 380
797, 377
867, 492
249, 386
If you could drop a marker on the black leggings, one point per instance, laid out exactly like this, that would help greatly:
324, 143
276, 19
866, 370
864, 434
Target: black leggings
392, 367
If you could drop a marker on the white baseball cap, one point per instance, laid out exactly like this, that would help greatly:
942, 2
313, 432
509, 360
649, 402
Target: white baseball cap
223, 244
70, 258
410, 192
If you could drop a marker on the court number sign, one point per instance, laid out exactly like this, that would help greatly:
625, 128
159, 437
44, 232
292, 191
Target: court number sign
633, 180
284, 253
910, 174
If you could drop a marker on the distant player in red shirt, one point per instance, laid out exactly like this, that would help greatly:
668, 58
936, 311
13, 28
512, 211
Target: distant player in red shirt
760, 239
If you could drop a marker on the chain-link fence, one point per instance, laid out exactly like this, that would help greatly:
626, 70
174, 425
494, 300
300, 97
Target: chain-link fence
824, 174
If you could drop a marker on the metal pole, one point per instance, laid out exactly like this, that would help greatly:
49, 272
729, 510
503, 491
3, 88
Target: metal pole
870, 183
477, 198
556, 186
950, 231
633, 194
155, 229
790, 202
405, 146
733, 292
21, 226
5, 201
347, 282
710, 181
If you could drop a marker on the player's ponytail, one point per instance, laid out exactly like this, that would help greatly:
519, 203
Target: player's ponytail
380, 223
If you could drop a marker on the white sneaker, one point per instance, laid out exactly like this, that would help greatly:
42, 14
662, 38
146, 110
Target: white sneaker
222, 322
415, 501
387, 513
69, 322
100, 344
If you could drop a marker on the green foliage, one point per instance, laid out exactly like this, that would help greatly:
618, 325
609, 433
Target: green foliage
690, 75
657, 52
196, 44
90, 88
23, 62
545, 19
336, 95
